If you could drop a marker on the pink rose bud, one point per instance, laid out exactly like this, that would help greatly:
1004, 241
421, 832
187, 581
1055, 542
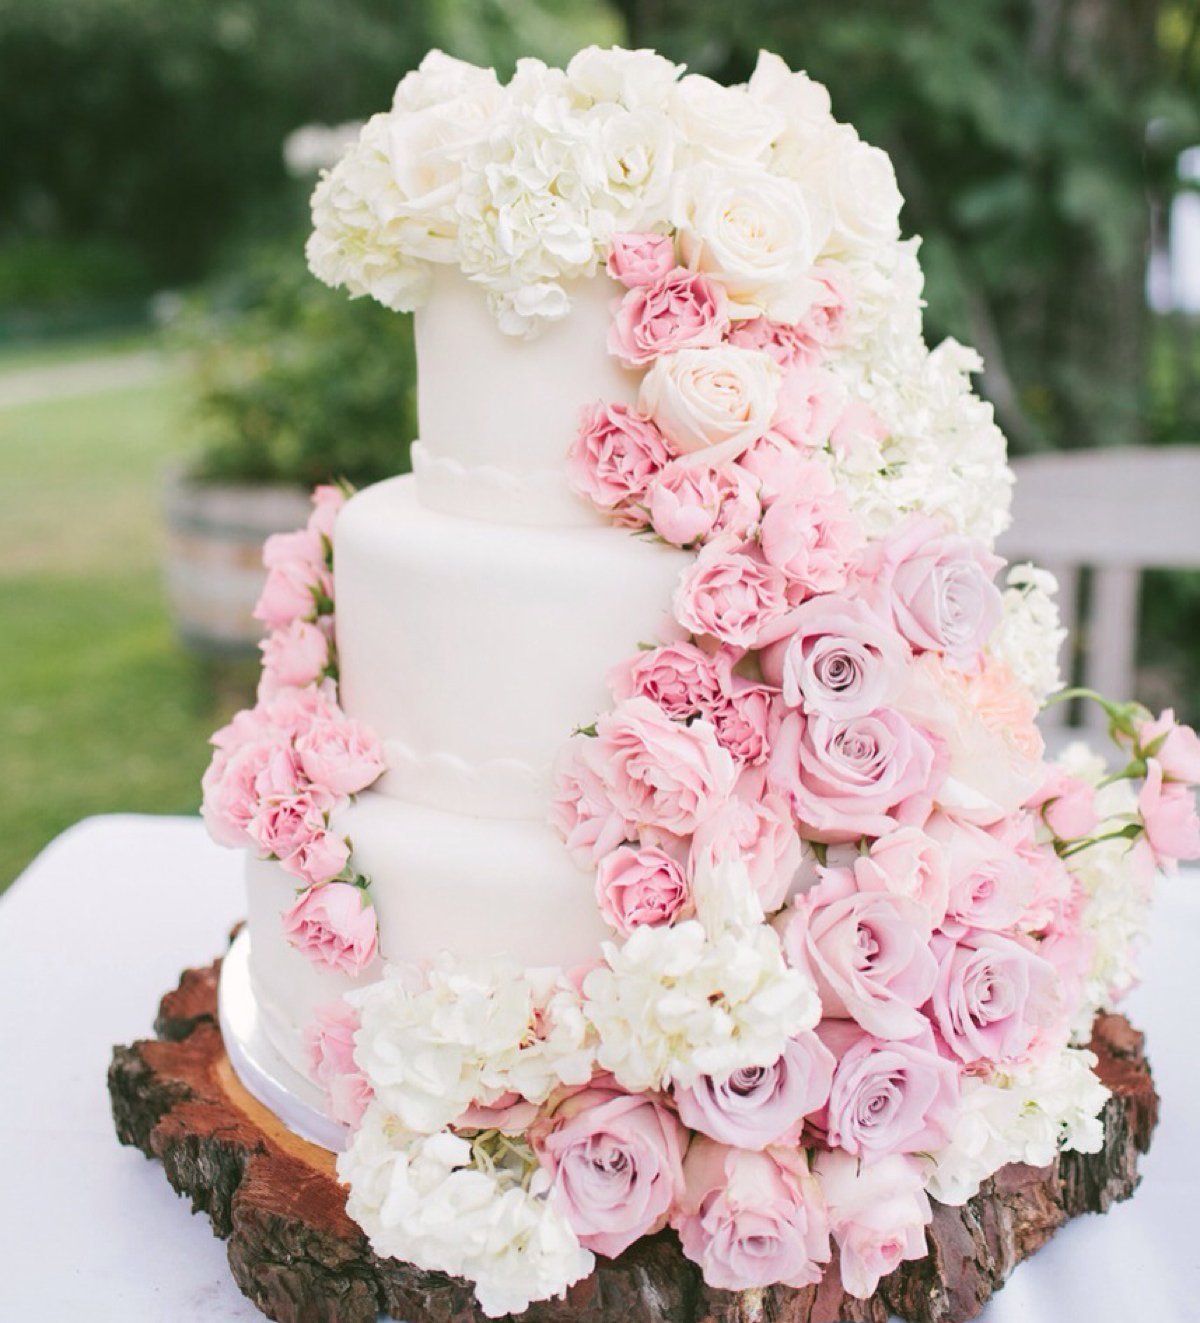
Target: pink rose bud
1168, 810
287, 595
294, 656
642, 886
327, 501
1175, 747
758, 1106
640, 259
615, 1161
1068, 805
329, 1044
683, 310
321, 858
685, 504
300, 550
752, 1220
334, 926
615, 457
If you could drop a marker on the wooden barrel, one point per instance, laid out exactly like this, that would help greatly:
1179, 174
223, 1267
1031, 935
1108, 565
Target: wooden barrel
214, 571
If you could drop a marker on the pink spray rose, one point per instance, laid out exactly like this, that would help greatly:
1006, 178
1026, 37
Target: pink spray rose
867, 952
640, 259
287, 595
755, 827
1168, 811
660, 773
744, 720
1068, 805
582, 809
685, 504
327, 501
1176, 748
334, 925
679, 677
320, 858
683, 310
752, 1219
329, 1043
898, 1096
614, 457
907, 862
615, 1160
838, 658
785, 344
281, 825
810, 536
343, 756
824, 323
231, 798
731, 593
302, 550
642, 886
811, 400
992, 996
878, 1213
940, 590
858, 776
761, 1105
294, 656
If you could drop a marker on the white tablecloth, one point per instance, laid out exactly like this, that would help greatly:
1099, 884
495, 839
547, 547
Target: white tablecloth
102, 923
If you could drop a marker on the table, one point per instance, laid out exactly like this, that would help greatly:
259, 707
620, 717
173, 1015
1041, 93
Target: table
100, 925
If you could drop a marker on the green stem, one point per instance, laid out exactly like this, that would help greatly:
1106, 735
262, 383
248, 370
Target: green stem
1129, 833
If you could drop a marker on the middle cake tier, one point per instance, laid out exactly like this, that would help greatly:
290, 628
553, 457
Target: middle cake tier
474, 649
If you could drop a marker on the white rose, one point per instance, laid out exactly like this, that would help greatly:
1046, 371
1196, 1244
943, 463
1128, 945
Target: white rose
701, 398
803, 102
631, 78
440, 78
757, 234
637, 155
534, 81
724, 123
859, 182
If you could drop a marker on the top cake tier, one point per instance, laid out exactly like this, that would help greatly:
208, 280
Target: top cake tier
498, 414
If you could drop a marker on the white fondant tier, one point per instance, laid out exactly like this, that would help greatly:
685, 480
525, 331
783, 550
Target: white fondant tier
498, 414
439, 882
475, 649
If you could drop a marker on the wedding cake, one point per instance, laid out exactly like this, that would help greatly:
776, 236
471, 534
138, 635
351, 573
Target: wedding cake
646, 821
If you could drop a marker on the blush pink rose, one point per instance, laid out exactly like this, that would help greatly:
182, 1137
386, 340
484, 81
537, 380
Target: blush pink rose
811, 400
761, 1105
868, 953
992, 996
1068, 805
1175, 747
741, 504
679, 678
342, 757
616, 1164
786, 344
329, 1045
581, 808
991, 883
283, 824
857, 435
859, 776
334, 926
287, 596
878, 1213
684, 504
1168, 812
907, 862
302, 550
752, 1219
320, 858
743, 721
642, 886
658, 772
510, 1114
939, 588
730, 593
614, 458
683, 310
837, 658
294, 656
230, 792
824, 324
887, 1097
327, 502
809, 535
755, 827
775, 465
640, 259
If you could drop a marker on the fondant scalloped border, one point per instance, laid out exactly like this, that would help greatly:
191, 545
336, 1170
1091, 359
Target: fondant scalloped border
495, 788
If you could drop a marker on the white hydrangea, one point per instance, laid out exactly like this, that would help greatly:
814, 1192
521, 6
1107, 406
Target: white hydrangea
1030, 635
671, 1004
441, 1203
723, 894
432, 1045
1026, 1115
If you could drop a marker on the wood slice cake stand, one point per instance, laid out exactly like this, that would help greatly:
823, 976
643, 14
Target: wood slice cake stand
294, 1251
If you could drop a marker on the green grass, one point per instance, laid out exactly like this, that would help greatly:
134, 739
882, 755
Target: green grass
100, 709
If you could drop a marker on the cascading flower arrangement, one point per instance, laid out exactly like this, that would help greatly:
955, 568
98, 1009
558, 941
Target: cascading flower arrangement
860, 929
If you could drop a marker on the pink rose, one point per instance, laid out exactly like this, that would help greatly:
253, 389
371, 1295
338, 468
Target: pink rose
615, 1160
640, 259
1168, 811
294, 712
785, 344
940, 590
859, 776
343, 756
320, 858
287, 596
824, 324
660, 773
681, 679
334, 925
642, 886
230, 790
775, 465
510, 1114
991, 884
887, 1096
329, 1044
810, 536
1176, 748
752, 1219
907, 862
294, 656
582, 809
811, 400
761, 1105
1068, 805
685, 504
741, 504
867, 952
743, 722
878, 1213
282, 825
683, 310
731, 593
755, 827
857, 435
992, 996
614, 457
327, 502
838, 658
301, 551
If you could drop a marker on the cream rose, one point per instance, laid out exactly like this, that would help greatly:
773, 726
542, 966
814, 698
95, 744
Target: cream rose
701, 398
631, 78
724, 123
